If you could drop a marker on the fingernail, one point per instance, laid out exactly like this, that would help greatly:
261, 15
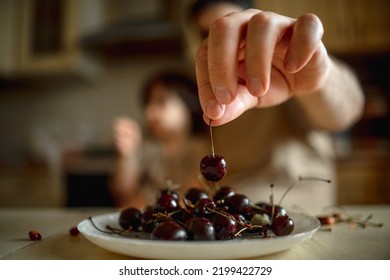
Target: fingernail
214, 110
223, 95
256, 87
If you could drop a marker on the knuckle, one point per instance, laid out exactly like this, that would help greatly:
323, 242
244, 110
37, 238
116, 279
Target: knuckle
263, 19
222, 25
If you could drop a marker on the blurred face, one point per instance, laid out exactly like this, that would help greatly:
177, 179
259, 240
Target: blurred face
209, 15
166, 113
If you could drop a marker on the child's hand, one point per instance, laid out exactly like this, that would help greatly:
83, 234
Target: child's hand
127, 136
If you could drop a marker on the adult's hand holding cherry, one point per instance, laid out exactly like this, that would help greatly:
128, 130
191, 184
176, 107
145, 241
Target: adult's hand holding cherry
256, 58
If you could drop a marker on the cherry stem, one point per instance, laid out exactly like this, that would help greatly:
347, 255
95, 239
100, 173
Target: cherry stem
271, 198
349, 219
247, 227
171, 186
112, 230
167, 217
227, 217
211, 139
300, 179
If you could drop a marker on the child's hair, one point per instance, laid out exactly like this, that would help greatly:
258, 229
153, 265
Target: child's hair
185, 87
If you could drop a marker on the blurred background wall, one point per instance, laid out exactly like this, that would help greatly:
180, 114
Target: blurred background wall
68, 68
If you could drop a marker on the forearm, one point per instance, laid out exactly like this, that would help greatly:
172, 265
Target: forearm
124, 180
338, 104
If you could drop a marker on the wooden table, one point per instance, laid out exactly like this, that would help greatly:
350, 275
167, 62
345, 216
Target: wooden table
343, 242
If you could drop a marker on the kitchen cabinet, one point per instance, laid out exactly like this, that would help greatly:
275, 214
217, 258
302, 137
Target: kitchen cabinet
41, 36
70, 36
137, 29
351, 26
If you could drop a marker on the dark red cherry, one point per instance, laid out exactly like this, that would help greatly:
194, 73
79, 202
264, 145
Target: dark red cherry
240, 218
213, 167
34, 235
167, 203
195, 194
169, 230
278, 210
262, 204
168, 191
223, 193
130, 218
200, 228
74, 231
238, 203
183, 215
203, 206
267, 208
282, 225
225, 226
148, 222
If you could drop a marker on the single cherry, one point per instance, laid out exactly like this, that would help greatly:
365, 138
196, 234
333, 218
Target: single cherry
130, 218
223, 193
167, 203
264, 207
213, 167
183, 215
282, 225
238, 203
74, 231
225, 226
148, 222
200, 228
34, 235
204, 207
195, 194
169, 191
169, 230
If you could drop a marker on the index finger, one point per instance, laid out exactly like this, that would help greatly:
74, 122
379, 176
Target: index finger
224, 42
210, 106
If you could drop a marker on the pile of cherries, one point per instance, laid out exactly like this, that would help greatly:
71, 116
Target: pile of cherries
221, 214
224, 215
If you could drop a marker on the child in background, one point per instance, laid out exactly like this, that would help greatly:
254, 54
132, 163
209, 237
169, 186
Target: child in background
171, 147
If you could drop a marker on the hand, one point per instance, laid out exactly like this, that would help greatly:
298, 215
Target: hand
258, 59
127, 136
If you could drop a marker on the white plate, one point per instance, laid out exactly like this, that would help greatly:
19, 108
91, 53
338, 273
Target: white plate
305, 227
